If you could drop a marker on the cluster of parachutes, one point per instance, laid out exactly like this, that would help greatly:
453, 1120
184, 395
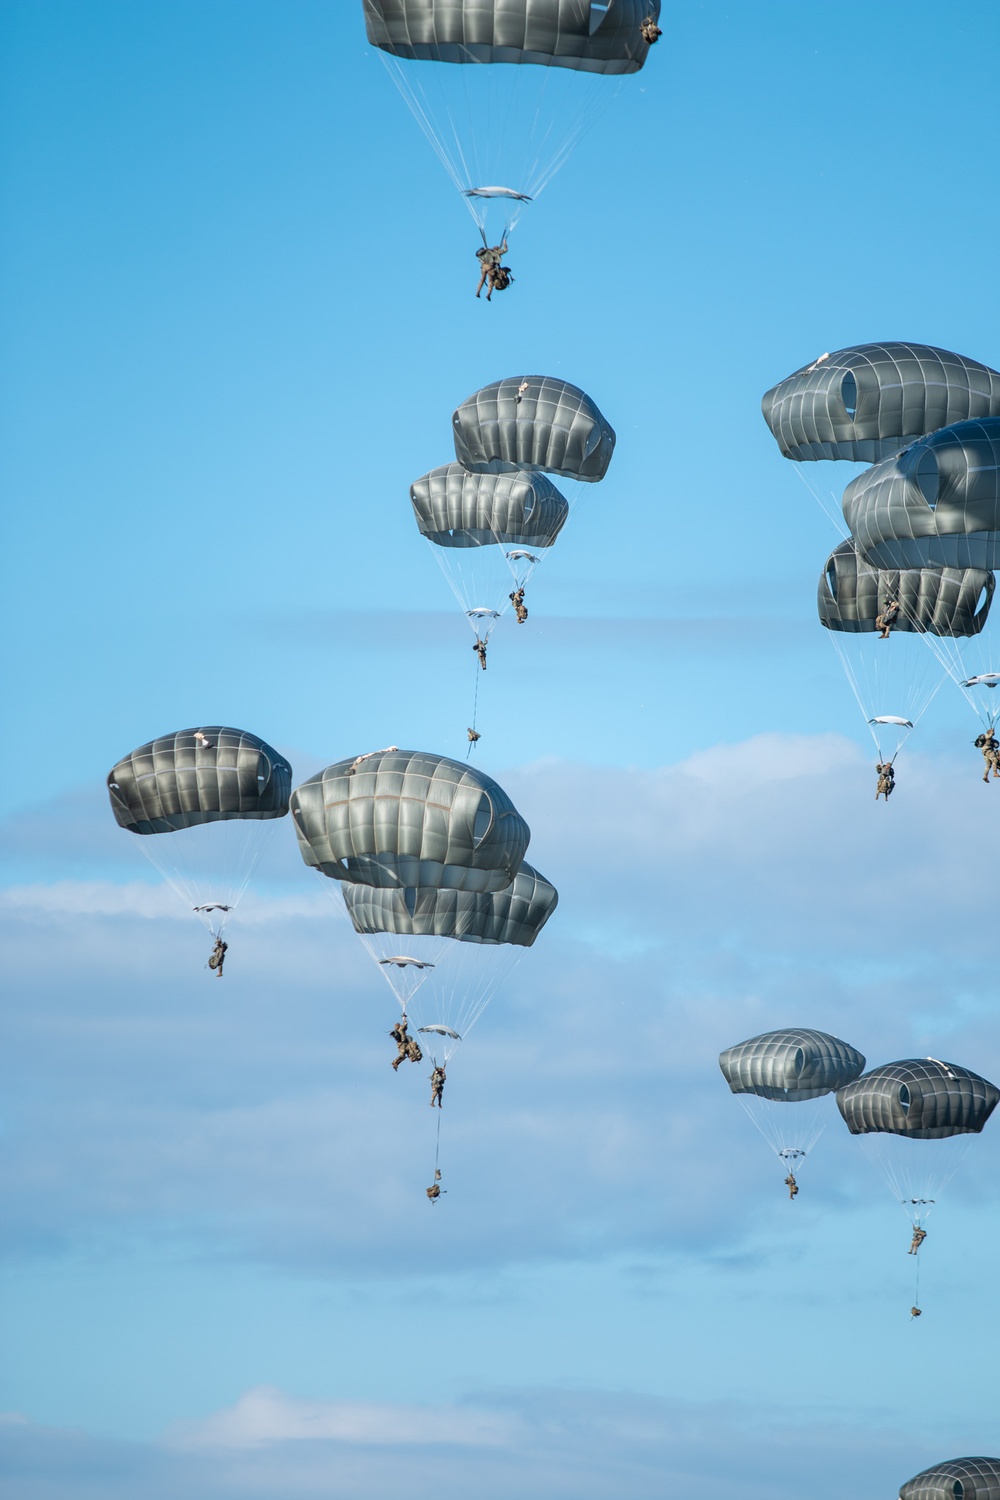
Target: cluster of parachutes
924, 522
915, 1114
504, 90
428, 853
491, 515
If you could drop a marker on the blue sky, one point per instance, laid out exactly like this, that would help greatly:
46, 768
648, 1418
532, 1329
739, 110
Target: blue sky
237, 307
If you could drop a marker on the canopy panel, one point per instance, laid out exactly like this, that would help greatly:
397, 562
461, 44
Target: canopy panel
942, 601
956, 1479
937, 504
454, 508
409, 818
867, 402
207, 775
533, 422
918, 1097
593, 38
792, 1064
515, 915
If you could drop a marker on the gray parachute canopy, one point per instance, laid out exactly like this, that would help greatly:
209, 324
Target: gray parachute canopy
601, 38
867, 402
457, 509
792, 1064
533, 422
943, 601
515, 915
936, 504
956, 1479
918, 1097
409, 818
207, 775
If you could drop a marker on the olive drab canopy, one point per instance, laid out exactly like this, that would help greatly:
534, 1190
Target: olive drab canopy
936, 504
514, 915
867, 402
594, 38
918, 1097
409, 818
792, 1064
454, 508
956, 1479
942, 601
207, 775
533, 422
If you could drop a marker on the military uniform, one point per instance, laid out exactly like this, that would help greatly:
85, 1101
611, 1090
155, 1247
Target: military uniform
218, 957
886, 780
437, 1086
490, 257
919, 1235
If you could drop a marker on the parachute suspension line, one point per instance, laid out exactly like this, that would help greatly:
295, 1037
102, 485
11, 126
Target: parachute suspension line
915, 1310
475, 708
827, 502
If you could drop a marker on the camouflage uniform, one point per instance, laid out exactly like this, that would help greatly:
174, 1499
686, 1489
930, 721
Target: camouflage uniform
437, 1086
887, 619
990, 746
489, 258
480, 650
792, 1186
218, 957
919, 1235
886, 780
520, 608
650, 31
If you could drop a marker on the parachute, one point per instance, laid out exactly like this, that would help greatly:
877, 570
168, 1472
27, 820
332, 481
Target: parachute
937, 504
532, 423
409, 818
916, 1118
203, 802
488, 533
797, 1066
458, 947
504, 89
918, 1098
936, 607
956, 1479
867, 402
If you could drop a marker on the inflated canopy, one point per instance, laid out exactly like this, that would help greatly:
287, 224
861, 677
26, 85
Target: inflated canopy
514, 915
533, 422
918, 1097
956, 1479
457, 509
867, 402
937, 504
593, 38
409, 818
943, 601
207, 775
793, 1064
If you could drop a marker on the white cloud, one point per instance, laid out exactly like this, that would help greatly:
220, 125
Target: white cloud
266, 1416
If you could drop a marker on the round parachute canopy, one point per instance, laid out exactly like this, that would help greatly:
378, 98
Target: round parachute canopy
533, 422
942, 601
935, 505
919, 1097
867, 402
454, 508
956, 1479
409, 818
593, 38
515, 915
792, 1064
207, 775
